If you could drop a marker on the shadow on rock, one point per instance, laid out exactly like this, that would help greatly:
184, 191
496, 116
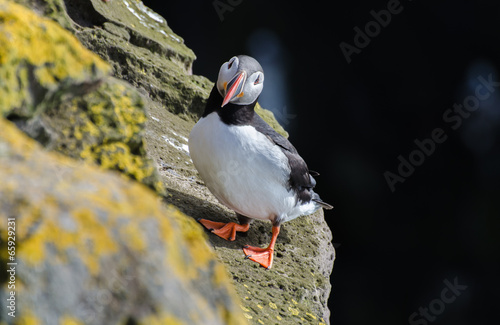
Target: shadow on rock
258, 235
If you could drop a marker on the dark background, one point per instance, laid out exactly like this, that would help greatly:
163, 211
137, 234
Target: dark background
351, 121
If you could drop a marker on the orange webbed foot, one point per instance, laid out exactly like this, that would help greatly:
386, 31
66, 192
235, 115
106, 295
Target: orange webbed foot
263, 256
224, 230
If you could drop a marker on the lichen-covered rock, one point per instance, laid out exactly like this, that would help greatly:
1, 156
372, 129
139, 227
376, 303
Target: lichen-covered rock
60, 93
144, 52
39, 59
138, 44
94, 248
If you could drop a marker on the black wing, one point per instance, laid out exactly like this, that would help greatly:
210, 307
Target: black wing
300, 179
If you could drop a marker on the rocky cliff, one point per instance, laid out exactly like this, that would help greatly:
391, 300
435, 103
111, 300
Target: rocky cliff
95, 246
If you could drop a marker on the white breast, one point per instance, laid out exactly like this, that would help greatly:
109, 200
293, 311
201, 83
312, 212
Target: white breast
242, 168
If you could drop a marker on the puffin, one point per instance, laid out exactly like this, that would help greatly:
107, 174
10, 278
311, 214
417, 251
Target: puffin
245, 163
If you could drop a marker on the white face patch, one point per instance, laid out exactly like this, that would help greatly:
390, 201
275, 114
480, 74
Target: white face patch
227, 71
251, 89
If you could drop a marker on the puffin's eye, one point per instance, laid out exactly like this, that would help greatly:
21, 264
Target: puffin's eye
230, 64
257, 81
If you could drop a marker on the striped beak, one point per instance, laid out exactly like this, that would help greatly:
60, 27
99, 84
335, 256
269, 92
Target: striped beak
234, 87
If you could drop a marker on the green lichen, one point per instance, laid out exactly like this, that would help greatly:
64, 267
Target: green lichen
105, 128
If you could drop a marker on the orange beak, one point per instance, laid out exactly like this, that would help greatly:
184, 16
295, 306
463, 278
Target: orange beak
234, 87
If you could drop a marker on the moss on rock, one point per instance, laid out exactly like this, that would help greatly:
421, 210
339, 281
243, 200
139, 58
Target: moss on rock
38, 59
60, 93
139, 45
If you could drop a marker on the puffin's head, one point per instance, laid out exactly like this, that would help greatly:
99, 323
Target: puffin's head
240, 80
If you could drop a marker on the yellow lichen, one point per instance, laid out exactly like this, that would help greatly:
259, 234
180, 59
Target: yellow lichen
95, 239
27, 318
69, 320
273, 305
220, 275
161, 320
134, 236
54, 55
44, 40
90, 238
110, 122
45, 54
201, 254
294, 311
91, 129
117, 156
33, 250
